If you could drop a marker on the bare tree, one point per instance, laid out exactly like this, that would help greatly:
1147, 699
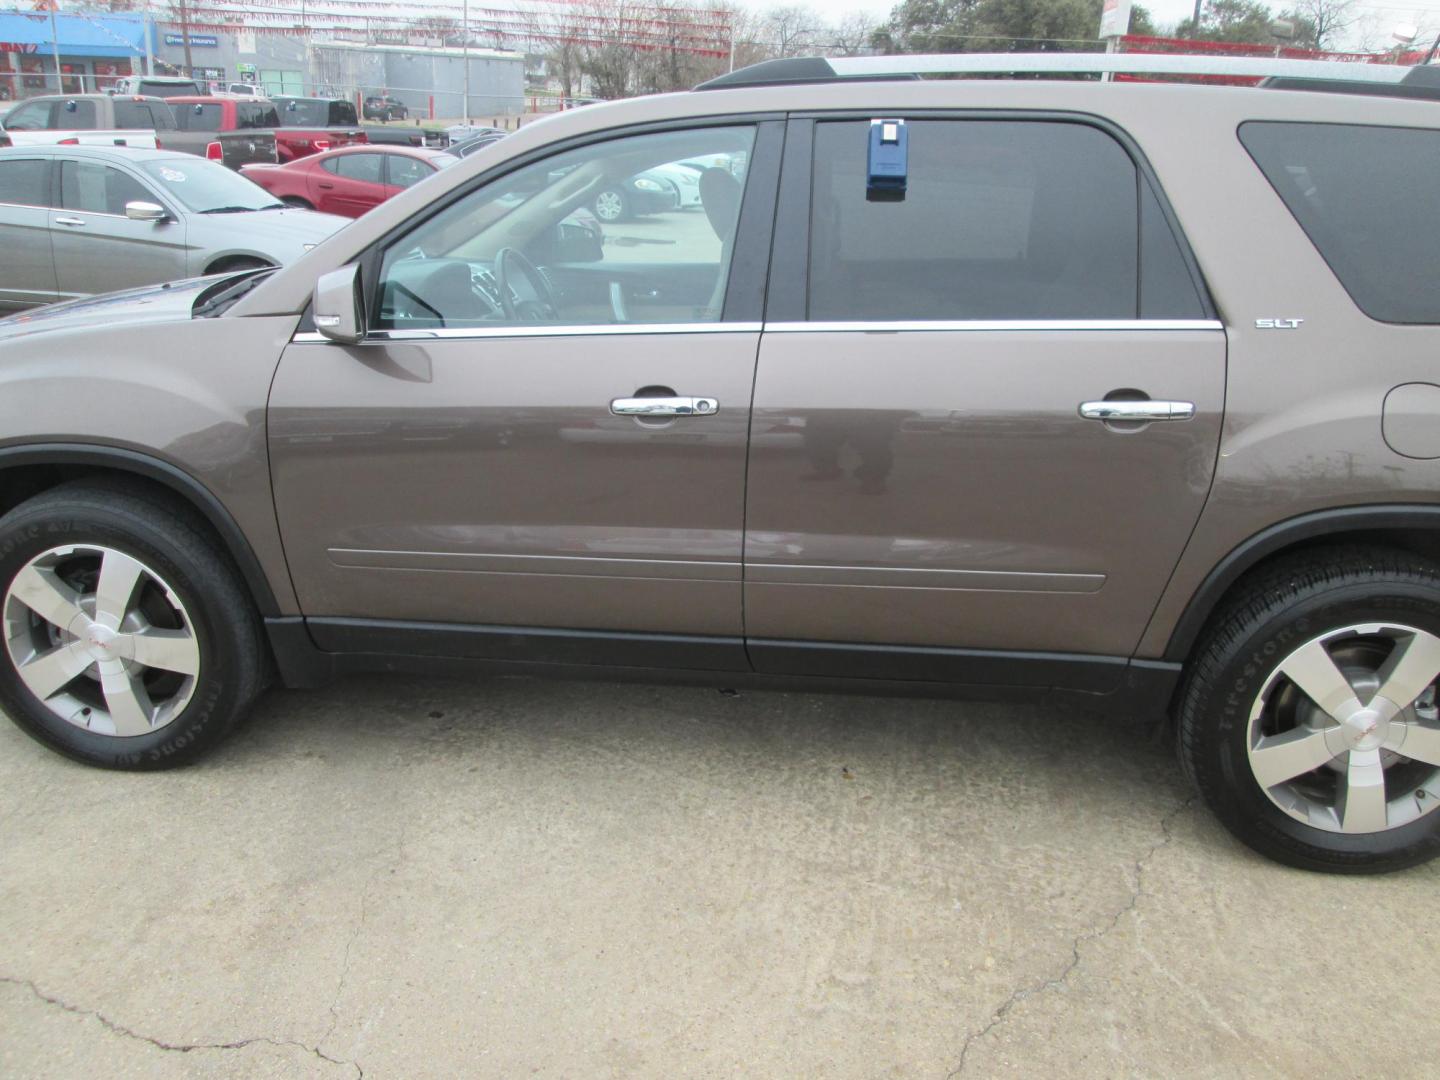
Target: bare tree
851, 35
791, 30
1331, 18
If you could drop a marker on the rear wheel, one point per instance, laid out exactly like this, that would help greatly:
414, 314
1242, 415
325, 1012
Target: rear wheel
1310, 722
231, 266
129, 640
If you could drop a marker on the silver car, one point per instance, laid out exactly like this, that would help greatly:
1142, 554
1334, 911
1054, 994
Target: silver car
79, 220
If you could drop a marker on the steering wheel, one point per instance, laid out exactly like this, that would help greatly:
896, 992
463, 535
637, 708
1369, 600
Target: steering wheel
510, 261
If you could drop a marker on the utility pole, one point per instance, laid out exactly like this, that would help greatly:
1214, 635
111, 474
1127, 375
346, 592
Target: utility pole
55, 48
185, 34
1195, 19
465, 54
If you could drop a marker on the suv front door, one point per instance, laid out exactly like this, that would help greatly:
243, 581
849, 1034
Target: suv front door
925, 498
471, 479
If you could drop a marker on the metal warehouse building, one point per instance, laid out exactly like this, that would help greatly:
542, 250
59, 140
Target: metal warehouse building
415, 74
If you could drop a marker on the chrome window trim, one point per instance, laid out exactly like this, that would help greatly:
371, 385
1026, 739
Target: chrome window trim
598, 330
991, 325
610, 329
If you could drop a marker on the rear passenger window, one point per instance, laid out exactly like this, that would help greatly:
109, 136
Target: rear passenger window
198, 117
22, 183
1000, 220
1368, 199
364, 167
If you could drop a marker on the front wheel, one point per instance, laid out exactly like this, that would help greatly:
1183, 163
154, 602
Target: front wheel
129, 640
611, 206
1309, 721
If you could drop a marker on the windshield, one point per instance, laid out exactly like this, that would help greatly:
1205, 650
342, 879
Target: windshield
206, 187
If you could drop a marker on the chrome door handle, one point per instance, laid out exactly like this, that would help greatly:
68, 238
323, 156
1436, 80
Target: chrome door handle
664, 406
1141, 411
69, 221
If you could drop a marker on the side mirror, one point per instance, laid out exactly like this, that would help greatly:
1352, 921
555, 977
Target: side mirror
336, 306
146, 211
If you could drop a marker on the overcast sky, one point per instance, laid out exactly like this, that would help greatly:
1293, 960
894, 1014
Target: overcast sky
1376, 19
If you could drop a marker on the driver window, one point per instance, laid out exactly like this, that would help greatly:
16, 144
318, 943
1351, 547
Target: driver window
637, 230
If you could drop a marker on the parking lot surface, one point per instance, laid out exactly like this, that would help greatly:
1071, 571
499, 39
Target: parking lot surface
416, 878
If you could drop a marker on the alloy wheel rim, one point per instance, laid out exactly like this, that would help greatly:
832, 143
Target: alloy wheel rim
1345, 734
607, 205
101, 640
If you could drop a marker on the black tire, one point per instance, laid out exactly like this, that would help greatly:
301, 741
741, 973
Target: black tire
169, 540
297, 202
1280, 610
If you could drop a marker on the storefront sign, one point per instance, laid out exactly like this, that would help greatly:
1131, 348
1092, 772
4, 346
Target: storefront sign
197, 41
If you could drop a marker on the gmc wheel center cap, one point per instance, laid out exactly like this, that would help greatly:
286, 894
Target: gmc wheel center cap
101, 643
1365, 729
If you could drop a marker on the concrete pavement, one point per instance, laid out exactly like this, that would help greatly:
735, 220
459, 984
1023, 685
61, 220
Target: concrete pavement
420, 878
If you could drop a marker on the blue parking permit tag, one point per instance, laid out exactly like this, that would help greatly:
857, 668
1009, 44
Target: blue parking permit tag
887, 170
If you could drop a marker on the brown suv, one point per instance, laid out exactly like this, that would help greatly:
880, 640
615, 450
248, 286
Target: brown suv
1111, 393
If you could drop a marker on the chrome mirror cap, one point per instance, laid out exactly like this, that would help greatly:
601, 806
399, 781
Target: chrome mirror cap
336, 305
146, 211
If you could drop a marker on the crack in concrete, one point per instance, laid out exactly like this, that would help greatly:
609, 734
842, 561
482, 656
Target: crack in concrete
1001, 1014
359, 928
176, 1048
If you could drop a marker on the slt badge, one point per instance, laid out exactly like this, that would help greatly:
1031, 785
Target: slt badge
1278, 324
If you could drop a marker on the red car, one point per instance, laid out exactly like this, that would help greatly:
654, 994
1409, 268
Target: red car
351, 180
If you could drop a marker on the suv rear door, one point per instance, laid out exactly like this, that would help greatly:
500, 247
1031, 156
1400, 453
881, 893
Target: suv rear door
924, 497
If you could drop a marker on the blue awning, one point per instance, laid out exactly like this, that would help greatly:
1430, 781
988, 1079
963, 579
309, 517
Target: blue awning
80, 35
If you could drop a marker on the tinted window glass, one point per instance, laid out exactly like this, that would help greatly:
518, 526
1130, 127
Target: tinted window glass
1001, 220
364, 167
76, 116
22, 183
33, 116
98, 189
1368, 199
342, 113
331, 164
198, 117
303, 112
405, 171
1167, 289
140, 114
604, 233
252, 114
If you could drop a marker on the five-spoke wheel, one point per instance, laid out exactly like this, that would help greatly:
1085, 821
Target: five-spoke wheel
129, 640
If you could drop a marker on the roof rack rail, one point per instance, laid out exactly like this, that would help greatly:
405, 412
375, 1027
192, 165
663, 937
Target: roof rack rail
818, 69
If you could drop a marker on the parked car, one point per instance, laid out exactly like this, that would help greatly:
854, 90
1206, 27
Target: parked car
1104, 394
107, 120
79, 220
312, 125
466, 147
161, 86
460, 132
245, 89
256, 118
649, 192
351, 180
384, 108
384, 135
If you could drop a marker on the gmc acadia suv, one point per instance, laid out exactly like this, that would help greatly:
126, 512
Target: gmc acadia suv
1119, 394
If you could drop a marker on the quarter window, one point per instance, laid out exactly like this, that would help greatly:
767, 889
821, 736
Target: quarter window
1367, 199
34, 116
22, 183
597, 235
1000, 220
